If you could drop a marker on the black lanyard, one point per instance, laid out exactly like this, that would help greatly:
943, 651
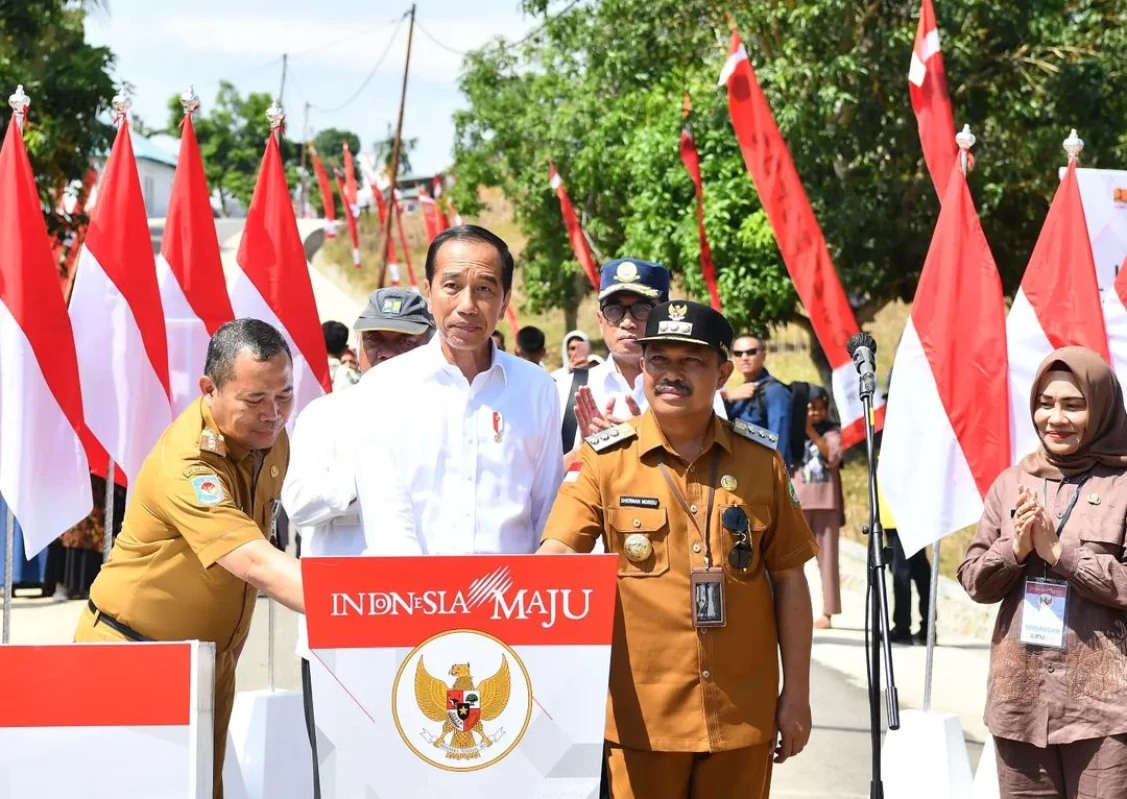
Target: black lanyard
1071, 503
684, 503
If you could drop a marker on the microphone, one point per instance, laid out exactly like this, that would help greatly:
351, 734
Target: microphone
862, 349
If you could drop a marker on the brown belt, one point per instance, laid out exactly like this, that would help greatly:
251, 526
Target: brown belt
114, 624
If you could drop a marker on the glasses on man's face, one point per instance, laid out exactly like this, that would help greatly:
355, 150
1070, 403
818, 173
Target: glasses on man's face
735, 522
742, 353
616, 312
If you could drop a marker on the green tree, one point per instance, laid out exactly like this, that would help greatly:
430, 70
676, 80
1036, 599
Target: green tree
42, 46
385, 150
232, 135
330, 142
599, 87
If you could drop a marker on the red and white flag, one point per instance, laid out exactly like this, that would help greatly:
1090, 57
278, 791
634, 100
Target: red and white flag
430, 213
193, 290
946, 432
350, 217
272, 282
798, 234
1115, 317
118, 320
927, 85
326, 186
1058, 304
691, 160
351, 192
397, 208
440, 204
44, 473
575, 235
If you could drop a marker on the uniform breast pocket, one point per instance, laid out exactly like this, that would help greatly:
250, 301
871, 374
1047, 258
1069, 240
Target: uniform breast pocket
640, 538
1101, 530
743, 528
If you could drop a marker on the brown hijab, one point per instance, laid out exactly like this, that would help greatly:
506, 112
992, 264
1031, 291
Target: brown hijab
1105, 438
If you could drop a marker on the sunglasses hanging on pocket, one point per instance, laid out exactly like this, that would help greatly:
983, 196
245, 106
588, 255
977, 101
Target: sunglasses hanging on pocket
741, 555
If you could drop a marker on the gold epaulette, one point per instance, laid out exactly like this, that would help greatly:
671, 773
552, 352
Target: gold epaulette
211, 441
756, 433
608, 438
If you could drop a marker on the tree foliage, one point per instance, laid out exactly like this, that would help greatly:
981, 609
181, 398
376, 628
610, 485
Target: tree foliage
599, 89
330, 147
232, 134
42, 46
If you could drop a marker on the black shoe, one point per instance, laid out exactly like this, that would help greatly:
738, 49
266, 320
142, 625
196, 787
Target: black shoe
898, 636
921, 638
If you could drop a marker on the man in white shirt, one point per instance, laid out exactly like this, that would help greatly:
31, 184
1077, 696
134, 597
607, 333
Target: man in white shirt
475, 461
612, 392
575, 353
319, 492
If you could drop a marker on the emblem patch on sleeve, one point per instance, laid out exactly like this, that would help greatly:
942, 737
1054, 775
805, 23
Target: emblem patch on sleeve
209, 491
793, 493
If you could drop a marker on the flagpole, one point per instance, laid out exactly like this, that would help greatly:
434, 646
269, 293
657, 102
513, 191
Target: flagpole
277, 116
9, 546
395, 147
965, 140
121, 103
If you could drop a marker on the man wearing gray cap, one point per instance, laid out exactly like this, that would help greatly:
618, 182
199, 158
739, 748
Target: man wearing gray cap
319, 493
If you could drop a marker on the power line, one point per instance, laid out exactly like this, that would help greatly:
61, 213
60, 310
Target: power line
352, 98
446, 47
502, 43
346, 37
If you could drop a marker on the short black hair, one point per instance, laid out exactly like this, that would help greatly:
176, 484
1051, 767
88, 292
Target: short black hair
264, 342
501, 336
336, 338
530, 339
478, 234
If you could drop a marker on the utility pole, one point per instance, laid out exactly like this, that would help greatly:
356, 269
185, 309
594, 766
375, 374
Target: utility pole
304, 175
393, 207
282, 88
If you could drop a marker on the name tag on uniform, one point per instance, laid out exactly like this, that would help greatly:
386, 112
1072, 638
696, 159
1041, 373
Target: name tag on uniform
639, 502
1043, 612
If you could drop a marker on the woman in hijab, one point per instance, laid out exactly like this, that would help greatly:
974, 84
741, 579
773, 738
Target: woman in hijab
818, 486
1049, 548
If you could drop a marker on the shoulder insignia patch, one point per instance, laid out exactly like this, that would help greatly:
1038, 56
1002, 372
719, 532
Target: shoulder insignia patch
755, 433
608, 438
211, 441
209, 491
198, 468
793, 493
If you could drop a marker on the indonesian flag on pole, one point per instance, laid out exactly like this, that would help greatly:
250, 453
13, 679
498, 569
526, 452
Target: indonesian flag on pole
456, 217
44, 473
946, 432
1058, 304
118, 319
350, 217
579, 244
326, 186
800, 239
350, 192
430, 213
1115, 316
927, 85
272, 282
193, 290
440, 204
691, 160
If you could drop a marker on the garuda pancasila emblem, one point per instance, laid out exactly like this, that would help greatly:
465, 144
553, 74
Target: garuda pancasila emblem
463, 707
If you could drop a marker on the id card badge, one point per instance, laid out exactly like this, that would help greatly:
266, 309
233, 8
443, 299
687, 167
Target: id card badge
1043, 612
707, 587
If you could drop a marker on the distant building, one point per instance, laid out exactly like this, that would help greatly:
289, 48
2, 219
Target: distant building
156, 167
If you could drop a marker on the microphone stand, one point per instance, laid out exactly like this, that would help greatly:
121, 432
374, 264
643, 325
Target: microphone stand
878, 603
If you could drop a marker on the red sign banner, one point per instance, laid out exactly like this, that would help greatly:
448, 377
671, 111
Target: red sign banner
524, 600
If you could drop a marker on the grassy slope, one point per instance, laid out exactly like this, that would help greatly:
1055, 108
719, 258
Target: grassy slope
788, 359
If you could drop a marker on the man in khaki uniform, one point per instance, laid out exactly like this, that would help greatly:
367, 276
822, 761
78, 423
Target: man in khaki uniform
205, 497
705, 522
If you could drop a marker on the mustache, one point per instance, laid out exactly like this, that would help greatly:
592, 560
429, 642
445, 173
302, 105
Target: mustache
676, 385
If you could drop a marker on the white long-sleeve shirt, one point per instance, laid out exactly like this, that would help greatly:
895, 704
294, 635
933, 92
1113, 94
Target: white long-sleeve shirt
319, 492
458, 467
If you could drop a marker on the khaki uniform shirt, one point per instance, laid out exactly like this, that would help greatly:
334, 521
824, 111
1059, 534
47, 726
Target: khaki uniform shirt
1041, 695
672, 687
196, 499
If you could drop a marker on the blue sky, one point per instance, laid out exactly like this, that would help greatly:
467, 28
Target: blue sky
333, 45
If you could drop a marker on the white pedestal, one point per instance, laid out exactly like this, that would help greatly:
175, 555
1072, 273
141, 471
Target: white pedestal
926, 758
233, 787
268, 733
986, 775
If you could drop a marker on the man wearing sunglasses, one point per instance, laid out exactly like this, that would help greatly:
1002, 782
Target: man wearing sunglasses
711, 542
761, 400
610, 393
